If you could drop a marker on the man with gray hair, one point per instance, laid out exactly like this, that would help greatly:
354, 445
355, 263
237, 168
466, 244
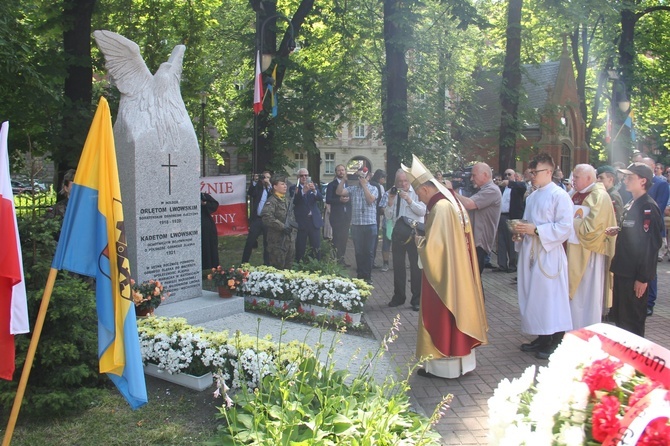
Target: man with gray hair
590, 250
398, 202
484, 207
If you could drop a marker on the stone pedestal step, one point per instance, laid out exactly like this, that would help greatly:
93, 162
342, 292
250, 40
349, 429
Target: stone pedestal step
198, 310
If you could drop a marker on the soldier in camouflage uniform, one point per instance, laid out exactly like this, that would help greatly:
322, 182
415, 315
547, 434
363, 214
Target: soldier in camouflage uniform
276, 215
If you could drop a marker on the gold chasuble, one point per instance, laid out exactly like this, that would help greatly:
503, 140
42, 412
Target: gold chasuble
590, 232
452, 318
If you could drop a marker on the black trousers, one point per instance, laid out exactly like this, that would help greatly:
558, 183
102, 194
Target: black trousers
340, 225
628, 311
400, 250
312, 233
506, 252
256, 229
481, 258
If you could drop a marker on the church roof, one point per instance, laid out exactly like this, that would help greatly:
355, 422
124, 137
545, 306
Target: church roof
485, 110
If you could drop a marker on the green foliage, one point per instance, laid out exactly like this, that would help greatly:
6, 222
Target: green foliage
318, 405
65, 375
328, 265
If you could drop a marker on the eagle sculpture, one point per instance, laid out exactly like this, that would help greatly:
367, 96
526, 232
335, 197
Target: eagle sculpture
148, 102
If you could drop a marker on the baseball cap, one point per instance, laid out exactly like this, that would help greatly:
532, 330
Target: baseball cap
639, 169
606, 169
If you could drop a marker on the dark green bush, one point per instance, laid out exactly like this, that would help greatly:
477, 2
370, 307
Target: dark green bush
64, 377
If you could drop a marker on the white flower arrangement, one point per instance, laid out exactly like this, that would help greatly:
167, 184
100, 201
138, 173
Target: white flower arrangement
176, 347
327, 291
590, 393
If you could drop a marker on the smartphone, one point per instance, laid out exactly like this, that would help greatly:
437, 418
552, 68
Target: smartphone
309, 180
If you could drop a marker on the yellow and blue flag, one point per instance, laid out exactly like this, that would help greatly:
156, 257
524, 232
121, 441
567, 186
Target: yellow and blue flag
93, 243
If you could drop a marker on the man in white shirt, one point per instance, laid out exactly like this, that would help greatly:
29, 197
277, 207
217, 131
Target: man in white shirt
402, 201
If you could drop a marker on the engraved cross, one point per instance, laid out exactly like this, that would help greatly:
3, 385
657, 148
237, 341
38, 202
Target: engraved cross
169, 165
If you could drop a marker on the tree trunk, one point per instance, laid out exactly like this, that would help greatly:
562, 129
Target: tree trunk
509, 91
394, 114
78, 86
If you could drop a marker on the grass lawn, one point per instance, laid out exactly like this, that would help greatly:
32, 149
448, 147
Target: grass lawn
174, 416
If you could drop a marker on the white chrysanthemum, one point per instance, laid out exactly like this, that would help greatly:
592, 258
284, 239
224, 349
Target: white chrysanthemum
571, 435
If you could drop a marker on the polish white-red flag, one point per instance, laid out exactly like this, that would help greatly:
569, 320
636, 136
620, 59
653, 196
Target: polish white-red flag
258, 86
13, 301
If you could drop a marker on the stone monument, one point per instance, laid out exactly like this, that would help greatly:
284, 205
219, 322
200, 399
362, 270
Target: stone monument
158, 159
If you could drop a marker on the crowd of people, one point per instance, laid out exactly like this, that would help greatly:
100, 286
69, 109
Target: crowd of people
584, 248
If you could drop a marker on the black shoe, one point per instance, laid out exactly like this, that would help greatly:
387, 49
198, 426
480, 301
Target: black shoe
415, 307
395, 303
512, 269
537, 344
368, 281
650, 311
500, 270
375, 266
489, 266
531, 347
543, 354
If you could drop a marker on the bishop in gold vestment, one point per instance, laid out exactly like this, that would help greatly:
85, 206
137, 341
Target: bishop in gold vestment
452, 318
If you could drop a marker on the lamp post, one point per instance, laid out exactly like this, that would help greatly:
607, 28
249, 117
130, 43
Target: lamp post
619, 111
203, 104
265, 64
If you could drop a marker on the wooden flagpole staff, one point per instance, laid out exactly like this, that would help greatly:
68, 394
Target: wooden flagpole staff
30, 356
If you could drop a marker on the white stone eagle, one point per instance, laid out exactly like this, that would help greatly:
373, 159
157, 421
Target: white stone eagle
148, 102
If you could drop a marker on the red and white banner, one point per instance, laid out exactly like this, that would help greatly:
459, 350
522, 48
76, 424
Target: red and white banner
231, 193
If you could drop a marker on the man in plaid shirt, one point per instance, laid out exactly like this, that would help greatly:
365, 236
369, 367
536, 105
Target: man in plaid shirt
363, 199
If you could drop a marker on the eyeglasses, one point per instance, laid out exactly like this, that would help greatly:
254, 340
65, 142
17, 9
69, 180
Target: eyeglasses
535, 172
303, 175
508, 174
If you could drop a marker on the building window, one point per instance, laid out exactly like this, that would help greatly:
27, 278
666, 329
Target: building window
300, 162
566, 158
330, 164
359, 130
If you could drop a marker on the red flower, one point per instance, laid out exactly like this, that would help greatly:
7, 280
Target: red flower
348, 318
254, 303
272, 303
285, 307
604, 418
657, 433
600, 375
301, 310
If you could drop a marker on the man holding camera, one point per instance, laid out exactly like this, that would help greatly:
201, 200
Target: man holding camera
402, 202
484, 207
340, 214
307, 214
363, 198
259, 191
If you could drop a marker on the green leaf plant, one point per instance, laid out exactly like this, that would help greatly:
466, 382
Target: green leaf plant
315, 404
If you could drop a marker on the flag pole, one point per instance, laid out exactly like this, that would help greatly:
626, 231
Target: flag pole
30, 356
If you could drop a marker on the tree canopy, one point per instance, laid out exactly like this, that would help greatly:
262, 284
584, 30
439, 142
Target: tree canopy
339, 72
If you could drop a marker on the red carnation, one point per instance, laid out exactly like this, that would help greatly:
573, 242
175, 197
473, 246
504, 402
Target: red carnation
348, 318
605, 421
600, 375
657, 433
